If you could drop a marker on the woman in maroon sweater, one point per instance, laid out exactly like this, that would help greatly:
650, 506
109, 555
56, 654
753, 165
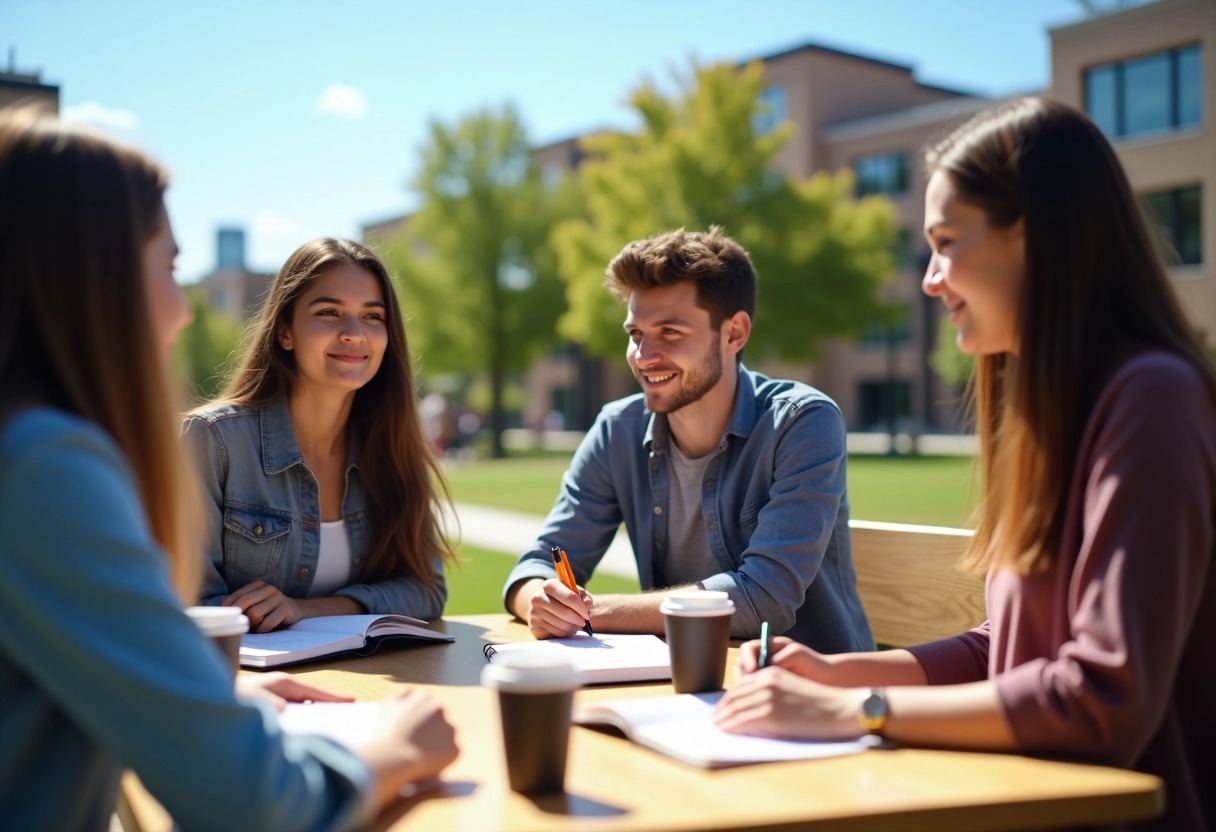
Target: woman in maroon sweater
1097, 425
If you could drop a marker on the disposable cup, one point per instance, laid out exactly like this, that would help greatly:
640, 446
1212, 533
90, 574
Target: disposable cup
697, 624
535, 700
224, 626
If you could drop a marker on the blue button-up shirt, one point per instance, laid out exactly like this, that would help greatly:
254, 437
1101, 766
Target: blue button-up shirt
774, 500
264, 513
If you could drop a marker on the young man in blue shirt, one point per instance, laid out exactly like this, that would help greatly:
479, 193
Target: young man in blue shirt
725, 479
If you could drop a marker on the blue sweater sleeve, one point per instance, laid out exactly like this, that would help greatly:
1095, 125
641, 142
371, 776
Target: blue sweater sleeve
88, 617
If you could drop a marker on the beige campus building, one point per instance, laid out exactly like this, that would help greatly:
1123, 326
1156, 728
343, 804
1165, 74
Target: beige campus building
1140, 73
21, 89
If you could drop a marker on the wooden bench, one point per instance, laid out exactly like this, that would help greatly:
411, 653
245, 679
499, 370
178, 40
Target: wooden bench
910, 584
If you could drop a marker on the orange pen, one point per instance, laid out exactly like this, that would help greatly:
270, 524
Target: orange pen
566, 575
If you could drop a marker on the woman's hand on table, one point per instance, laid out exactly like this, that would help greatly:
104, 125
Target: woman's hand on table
280, 688
414, 742
265, 605
775, 702
788, 654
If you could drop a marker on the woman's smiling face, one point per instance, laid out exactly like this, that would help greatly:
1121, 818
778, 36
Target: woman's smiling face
977, 270
338, 331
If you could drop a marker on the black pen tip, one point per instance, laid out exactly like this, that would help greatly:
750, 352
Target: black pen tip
587, 628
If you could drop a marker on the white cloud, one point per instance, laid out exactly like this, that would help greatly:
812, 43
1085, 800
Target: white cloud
99, 115
272, 224
342, 101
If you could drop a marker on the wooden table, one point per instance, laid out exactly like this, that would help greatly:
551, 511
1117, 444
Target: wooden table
613, 784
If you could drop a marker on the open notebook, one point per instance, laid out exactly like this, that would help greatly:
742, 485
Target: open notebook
682, 727
602, 658
312, 638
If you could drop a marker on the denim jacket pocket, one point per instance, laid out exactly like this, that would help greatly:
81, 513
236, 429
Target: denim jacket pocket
253, 540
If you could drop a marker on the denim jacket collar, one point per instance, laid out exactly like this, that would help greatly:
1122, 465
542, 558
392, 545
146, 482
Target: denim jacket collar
279, 448
742, 417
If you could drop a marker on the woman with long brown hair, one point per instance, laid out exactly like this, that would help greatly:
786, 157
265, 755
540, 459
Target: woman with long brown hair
324, 493
1097, 425
100, 669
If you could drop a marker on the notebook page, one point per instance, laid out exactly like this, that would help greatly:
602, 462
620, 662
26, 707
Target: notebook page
683, 727
604, 657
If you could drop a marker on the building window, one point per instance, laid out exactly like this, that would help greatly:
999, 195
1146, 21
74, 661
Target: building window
883, 404
1176, 214
771, 109
896, 334
883, 174
1149, 94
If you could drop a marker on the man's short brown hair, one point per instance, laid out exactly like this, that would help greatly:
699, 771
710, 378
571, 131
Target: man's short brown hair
716, 264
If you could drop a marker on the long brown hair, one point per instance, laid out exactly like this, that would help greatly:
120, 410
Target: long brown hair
400, 474
1094, 289
76, 333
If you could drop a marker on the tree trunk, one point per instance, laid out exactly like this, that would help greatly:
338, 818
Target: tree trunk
498, 368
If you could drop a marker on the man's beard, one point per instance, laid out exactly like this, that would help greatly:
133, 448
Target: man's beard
693, 385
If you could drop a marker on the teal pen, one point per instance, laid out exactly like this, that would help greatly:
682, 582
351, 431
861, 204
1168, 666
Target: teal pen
766, 645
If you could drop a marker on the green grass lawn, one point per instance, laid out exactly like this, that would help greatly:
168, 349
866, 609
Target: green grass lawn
475, 584
928, 490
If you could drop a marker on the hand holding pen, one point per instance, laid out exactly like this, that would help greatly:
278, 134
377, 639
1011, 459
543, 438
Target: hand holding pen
566, 575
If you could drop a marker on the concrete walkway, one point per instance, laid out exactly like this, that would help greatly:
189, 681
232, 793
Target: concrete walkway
513, 533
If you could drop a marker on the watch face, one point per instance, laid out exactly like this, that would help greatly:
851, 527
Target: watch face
874, 706
874, 710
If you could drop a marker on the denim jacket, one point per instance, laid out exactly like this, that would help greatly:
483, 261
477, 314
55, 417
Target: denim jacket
263, 515
100, 671
774, 501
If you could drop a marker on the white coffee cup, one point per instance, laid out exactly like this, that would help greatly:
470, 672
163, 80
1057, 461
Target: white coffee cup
224, 626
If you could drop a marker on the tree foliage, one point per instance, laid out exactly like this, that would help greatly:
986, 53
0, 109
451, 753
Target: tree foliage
478, 278
699, 160
206, 347
949, 362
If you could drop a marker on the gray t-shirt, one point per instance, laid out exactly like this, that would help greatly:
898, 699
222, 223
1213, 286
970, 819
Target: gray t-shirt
688, 557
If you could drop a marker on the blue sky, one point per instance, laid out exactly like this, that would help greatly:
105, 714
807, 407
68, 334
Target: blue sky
297, 119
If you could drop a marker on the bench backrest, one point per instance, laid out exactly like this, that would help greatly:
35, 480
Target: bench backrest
910, 584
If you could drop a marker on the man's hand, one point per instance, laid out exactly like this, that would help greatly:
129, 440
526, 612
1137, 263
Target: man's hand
550, 609
266, 606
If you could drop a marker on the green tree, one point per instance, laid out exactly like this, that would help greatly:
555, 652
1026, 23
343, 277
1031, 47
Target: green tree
949, 362
699, 160
205, 347
478, 278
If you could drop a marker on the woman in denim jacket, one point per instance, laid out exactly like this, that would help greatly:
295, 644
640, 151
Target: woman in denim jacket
323, 487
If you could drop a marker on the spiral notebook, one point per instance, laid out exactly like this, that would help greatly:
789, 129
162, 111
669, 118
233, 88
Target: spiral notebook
604, 658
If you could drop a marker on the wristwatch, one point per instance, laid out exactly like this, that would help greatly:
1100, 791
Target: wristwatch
873, 715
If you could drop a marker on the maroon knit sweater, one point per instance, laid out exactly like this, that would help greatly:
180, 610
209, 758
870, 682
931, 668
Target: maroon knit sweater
1110, 655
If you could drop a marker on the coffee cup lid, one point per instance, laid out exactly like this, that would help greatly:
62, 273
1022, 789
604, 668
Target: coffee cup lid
530, 674
219, 621
697, 602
